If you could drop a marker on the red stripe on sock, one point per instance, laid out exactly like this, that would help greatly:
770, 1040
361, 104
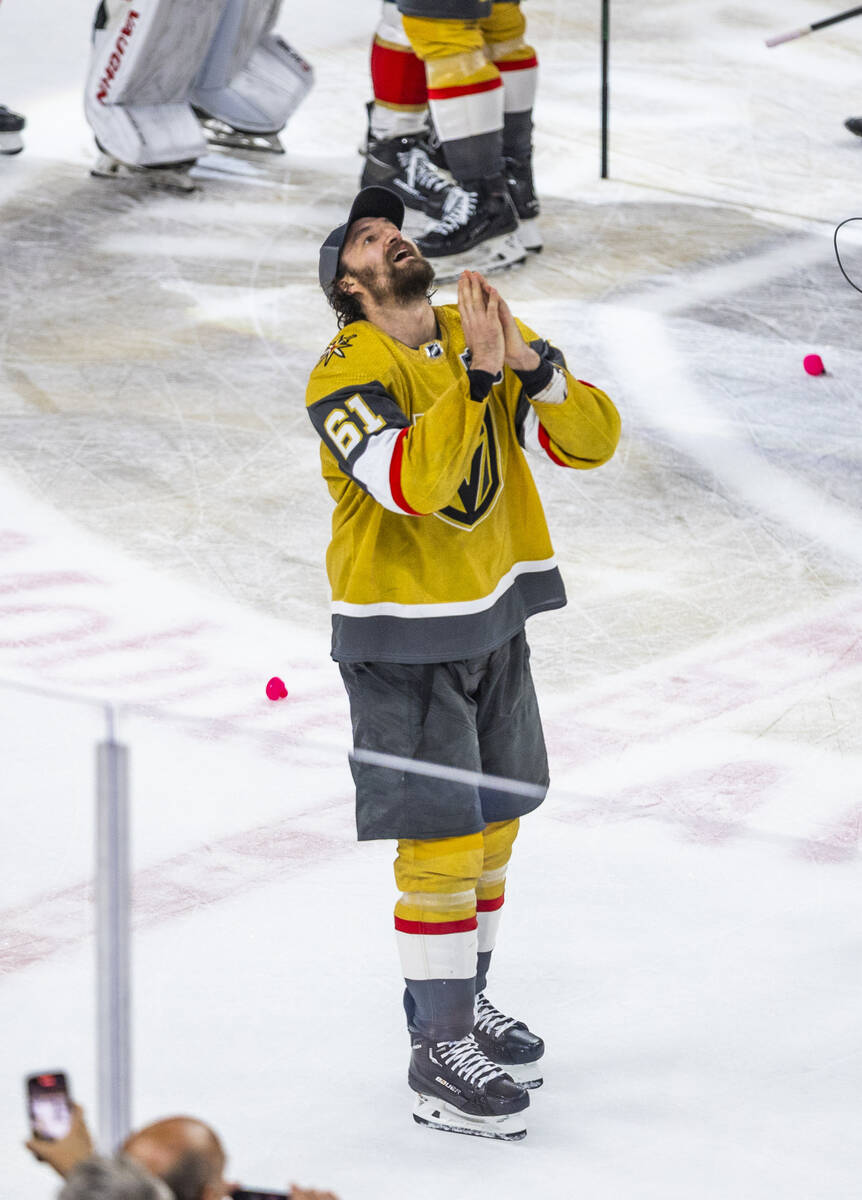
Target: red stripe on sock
433, 927
490, 905
395, 475
545, 443
465, 89
397, 76
519, 64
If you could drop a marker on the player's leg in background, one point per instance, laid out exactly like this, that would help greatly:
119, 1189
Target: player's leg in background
504, 32
11, 125
396, 154
498, 840
465, 94
505, 1039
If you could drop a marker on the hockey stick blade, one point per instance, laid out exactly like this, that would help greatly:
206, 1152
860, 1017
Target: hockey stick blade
788, 37
815, 25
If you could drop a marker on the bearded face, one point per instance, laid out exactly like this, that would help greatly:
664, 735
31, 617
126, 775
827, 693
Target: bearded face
403, 276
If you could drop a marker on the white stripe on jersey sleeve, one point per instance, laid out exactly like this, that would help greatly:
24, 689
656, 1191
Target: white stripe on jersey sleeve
371, 467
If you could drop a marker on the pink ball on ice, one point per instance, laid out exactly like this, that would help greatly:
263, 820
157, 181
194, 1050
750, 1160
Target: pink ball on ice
275, 689
813, 364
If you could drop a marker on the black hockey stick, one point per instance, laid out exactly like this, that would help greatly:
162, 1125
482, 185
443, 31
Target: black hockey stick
606, 43
838, 256
798, 33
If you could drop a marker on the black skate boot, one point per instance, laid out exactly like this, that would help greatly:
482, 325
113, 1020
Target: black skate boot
478, 230
11, 124
519, 180
854, 124
459, 1090
402, 165
508, 1042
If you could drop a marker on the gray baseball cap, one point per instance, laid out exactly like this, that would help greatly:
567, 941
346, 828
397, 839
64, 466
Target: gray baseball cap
370, 202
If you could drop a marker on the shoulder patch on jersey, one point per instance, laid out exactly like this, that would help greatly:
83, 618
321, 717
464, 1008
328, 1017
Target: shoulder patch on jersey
336, 348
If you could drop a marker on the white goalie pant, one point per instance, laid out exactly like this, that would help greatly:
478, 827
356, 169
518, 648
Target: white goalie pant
154, 60
251, 79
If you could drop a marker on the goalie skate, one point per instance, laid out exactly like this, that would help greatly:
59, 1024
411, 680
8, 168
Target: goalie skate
437, 1114
222, 136
174, 178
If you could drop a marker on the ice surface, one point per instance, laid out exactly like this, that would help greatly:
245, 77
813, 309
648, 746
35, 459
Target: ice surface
684, 921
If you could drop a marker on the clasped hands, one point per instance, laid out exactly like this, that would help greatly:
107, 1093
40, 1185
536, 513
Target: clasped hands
490, 330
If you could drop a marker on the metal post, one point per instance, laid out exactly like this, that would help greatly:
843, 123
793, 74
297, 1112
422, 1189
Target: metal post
113, 911
606, 44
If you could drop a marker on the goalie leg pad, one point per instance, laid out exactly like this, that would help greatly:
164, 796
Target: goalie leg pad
251, 79
145, 59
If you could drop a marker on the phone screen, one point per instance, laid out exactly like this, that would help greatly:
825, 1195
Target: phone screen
245, 1194
48, 1105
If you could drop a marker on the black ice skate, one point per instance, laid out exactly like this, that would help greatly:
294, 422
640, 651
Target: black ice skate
402, 165
478, 231
519, 180
508, 1042
854, 124
11, 124
459, 1090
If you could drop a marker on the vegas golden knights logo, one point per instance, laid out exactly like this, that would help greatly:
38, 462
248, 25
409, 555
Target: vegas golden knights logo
478, 494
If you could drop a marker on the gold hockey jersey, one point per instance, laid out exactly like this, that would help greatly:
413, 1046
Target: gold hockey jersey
440, 549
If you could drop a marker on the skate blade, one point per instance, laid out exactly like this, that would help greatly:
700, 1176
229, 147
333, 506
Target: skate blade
222, 137
169, 179
10, 143
497, 254
531, 235
436, 1114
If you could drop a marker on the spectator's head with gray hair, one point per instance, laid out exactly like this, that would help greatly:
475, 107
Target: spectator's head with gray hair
112, 1179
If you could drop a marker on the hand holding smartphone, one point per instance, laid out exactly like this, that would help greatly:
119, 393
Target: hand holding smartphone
48, 1106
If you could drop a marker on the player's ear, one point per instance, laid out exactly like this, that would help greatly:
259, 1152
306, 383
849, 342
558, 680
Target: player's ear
346, 284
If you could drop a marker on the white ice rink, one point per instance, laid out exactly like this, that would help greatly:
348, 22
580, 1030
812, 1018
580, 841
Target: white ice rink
683, 924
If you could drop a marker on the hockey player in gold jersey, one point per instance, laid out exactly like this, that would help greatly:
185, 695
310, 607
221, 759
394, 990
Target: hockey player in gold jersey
440, 552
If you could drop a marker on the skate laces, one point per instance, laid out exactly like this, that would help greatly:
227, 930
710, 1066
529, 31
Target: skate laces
468, 1061
421, 172
459, 207
489, 1019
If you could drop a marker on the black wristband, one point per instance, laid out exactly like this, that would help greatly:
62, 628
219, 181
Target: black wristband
536, 381
481, 383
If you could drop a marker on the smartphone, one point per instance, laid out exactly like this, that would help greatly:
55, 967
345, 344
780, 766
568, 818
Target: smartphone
245, 1194
48, 1105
